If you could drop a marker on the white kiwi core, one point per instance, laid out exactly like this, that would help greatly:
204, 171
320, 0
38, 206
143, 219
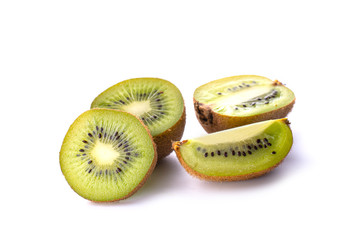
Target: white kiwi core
138, 108
234, 135
104, 154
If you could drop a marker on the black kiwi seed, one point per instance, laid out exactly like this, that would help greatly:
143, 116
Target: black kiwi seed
82, 150
244, 105
269, 144
158, 99
249, 152
236, 108
225, 154
97, 128
253, 103
89, 162
267, 102
219, 93
273, 152
99, 135
212, 154
244, 153
84, 141
90, 135
239, 153
260, 146
265, 140
255, 147
219, 153
233, 153
258, 140
249, 147
206, 154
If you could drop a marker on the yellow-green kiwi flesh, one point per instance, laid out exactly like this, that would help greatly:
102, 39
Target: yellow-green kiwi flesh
236, 154
107, 155
157, 102
240, 100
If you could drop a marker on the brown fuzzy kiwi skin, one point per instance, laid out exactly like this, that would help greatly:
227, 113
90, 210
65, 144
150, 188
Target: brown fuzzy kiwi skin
164, 140
214, 122
176, 147
149, 172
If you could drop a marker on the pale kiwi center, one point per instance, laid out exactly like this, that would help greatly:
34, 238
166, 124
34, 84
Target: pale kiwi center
245, 95
104, 154
234, 135
138, 107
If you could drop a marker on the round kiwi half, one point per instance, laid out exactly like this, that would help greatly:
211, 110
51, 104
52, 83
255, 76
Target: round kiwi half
240, 100
157, 102
236, 154
107, 155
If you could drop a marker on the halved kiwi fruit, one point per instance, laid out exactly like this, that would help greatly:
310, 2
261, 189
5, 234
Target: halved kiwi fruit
107, 155
240, 100
157, 102
236, 154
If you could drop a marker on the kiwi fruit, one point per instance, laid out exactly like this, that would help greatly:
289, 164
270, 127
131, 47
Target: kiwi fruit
236, 154
239, 100
107, 155
157, 102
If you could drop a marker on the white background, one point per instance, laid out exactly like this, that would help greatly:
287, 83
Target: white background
56, 56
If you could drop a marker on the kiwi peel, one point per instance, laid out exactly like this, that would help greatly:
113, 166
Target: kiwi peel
236, 154
157, 102
241, 100
107, 155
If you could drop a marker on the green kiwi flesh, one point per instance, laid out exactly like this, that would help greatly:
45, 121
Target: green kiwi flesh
238, 153
107, 155
244, 95
240, 100
157, 102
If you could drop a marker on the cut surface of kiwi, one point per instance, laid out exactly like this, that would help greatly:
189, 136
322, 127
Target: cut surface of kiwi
107, 155
236, 154
157, 102
241, 100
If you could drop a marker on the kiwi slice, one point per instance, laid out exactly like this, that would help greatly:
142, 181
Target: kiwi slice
107, 155
157, 102
240, 100
236, 154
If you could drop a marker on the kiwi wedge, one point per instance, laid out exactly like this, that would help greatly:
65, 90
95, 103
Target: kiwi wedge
107, 155
240, 100
236, 154
157, 102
